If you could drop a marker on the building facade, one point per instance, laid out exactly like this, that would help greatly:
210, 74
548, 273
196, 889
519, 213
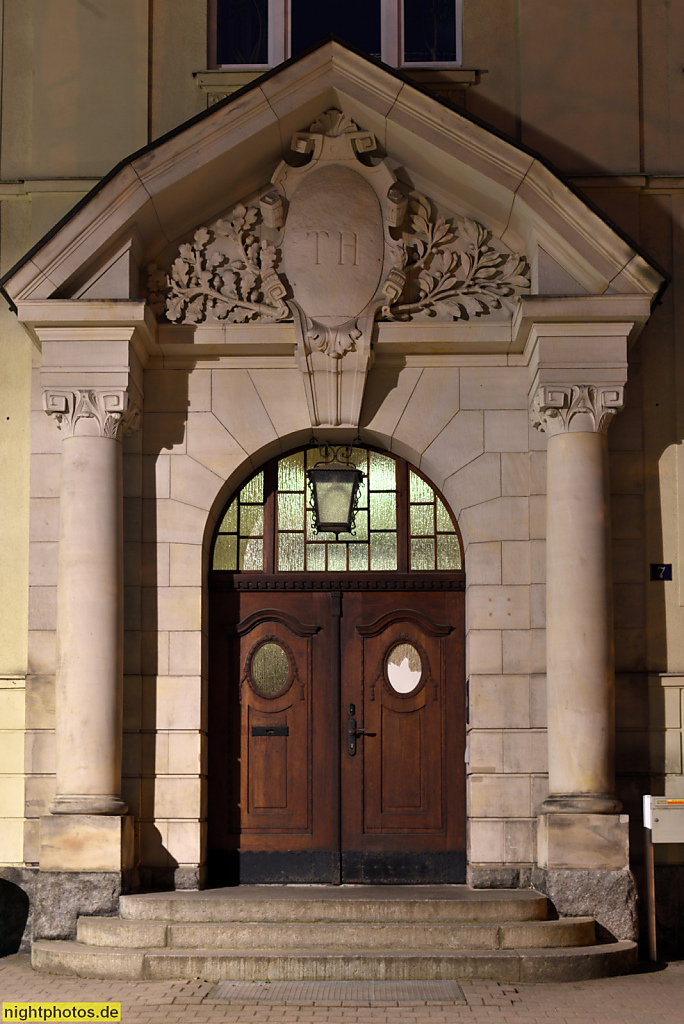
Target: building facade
467, 273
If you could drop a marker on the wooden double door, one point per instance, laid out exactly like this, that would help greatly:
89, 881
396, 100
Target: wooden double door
336, 737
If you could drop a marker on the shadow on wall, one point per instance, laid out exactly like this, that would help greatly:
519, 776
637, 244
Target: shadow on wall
14, 913
146, 649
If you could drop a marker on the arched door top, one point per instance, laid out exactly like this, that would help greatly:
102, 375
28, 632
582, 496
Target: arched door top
403, 527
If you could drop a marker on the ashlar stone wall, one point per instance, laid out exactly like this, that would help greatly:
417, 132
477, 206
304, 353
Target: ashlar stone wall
465, 425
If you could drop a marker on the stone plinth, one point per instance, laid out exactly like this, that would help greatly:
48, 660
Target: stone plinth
86, 842
598, 842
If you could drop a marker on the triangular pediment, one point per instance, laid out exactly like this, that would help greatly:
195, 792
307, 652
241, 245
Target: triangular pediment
156, 199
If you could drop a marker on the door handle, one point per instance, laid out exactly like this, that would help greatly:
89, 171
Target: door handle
352, 733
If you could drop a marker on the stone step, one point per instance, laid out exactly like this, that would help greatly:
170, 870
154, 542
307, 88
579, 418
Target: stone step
338, 903
515, 965
340, 935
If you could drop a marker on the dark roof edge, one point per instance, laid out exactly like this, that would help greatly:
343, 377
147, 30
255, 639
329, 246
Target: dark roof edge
394, 72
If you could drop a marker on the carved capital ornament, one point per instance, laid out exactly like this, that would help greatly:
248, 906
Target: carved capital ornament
108, 410
566, 408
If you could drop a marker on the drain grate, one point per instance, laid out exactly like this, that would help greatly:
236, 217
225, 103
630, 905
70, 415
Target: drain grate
336, 992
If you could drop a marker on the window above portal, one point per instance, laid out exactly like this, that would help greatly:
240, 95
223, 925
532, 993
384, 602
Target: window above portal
401, 525
256, 34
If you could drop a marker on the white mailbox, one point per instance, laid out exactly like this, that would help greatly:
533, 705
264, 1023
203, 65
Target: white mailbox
665, 818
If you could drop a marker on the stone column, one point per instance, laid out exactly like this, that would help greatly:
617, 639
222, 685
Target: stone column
579, 613
89, 683
86, 842
583, 849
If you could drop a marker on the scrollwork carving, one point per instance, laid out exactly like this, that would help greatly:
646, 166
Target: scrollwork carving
333, 341
333, 123
110, 408
556, 406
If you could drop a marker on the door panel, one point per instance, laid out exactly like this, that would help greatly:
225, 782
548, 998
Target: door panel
289, 801
275, 693
272, 815
403, 806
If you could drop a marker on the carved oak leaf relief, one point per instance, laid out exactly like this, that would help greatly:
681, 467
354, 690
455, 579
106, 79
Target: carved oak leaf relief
454, 269
226, 273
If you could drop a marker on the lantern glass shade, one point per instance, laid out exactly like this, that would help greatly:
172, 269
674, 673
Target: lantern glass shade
335, 496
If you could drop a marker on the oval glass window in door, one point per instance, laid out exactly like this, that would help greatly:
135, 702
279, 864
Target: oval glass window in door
270, 669
404, 668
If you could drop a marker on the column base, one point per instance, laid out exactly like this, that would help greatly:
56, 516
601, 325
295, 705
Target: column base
582, 803
86, 862
592, 842
61, 897
86, 842
84, 804
610, 897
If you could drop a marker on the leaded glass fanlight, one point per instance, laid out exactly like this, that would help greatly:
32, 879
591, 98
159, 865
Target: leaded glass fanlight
401, 522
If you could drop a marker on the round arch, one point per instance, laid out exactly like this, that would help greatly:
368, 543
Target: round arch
403, 523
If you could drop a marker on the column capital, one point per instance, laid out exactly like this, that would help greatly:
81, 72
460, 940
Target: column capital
571, 408
110, 412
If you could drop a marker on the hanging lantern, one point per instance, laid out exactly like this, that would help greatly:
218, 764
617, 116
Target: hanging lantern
334, 485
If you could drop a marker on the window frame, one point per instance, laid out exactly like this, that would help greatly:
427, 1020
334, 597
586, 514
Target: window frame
270, 528
279, 29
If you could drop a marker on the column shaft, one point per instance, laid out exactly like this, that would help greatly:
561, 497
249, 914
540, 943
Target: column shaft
90, 628
579, 626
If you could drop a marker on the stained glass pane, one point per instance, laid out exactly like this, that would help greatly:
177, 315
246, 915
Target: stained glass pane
291, 552
360, 529
337, 557
383, 511
383, 472
251, 520
373, 546
448, 551
310, 534
251, 555
404, 668
290, 511
358, 557
229, 524
444, 523
225, 552
291, 473
423, 553
422, 520
315, 557
359, 458
254, 490
419, 490
270, 668
383, 552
